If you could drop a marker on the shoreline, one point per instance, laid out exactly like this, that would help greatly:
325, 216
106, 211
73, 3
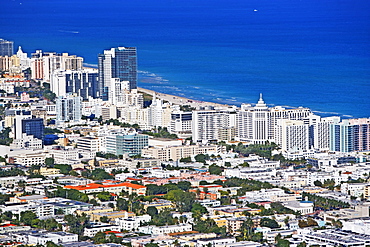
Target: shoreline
180, 100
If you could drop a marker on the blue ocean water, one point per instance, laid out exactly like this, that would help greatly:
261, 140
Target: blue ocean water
309, 53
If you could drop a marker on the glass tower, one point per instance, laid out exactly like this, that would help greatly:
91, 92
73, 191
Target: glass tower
119, 63
6, 48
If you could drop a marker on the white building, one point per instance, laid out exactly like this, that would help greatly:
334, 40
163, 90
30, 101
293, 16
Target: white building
27, 142
24, 61
84, 82
43, 64
68, 108
89, 144
250, 173
30, 159
210, 125
216, 242
159, 113
321, 131
257, 123
65, 156
132, 223
303, 207
181, 123
94, 228
162, 230
361, 225
117, 91
55, 237
353, 189
292, 135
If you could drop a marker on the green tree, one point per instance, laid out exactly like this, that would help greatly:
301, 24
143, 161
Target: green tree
49, 162
104, 196
52, 244
317, 183
215, 169
246, 229
198, 210
64, 169
152, 211
267, 222
302, 244
100, 174
27, 218
201, 158
183, 200
283, 243
186, 160
122, 204
152, 245
104, 219
77, 223
100, 238
184, 185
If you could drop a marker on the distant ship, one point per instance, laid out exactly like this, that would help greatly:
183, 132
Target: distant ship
255, 10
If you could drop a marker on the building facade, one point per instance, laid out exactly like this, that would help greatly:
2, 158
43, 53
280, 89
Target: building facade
6, 48
68, 108
126, 144
120, 62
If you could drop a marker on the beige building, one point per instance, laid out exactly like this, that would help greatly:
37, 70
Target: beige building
367, 192
48, 171
30, 159
177, 152
111, 215
6, 63
93, 210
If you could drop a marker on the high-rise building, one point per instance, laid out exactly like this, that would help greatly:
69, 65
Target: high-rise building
257, 123
24, 61
210, 125
361, 134
320, 131
84, 82
7, 63
6, 48
350, 135
68, 108
117, 91
181, 123
119, 63
292, 135
341, 137
43, 64
29, 125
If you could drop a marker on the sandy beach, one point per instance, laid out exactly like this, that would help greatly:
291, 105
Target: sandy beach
177, 100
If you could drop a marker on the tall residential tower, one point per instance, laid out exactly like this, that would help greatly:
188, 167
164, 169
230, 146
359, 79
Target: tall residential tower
121, 63
6, 48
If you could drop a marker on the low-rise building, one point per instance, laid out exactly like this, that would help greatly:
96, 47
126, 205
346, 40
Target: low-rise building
216, 242
177, 152
110, 186
303, 207
132, 223
94, 228
161, 230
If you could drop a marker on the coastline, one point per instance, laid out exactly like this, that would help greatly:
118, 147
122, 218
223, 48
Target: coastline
179, 100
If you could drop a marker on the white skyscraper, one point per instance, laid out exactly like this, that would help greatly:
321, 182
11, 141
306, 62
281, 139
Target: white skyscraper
68, 108
257, 123
292, 135
207, 124
117, 91
320, 131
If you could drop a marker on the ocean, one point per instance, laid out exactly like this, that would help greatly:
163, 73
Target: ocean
309, 53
